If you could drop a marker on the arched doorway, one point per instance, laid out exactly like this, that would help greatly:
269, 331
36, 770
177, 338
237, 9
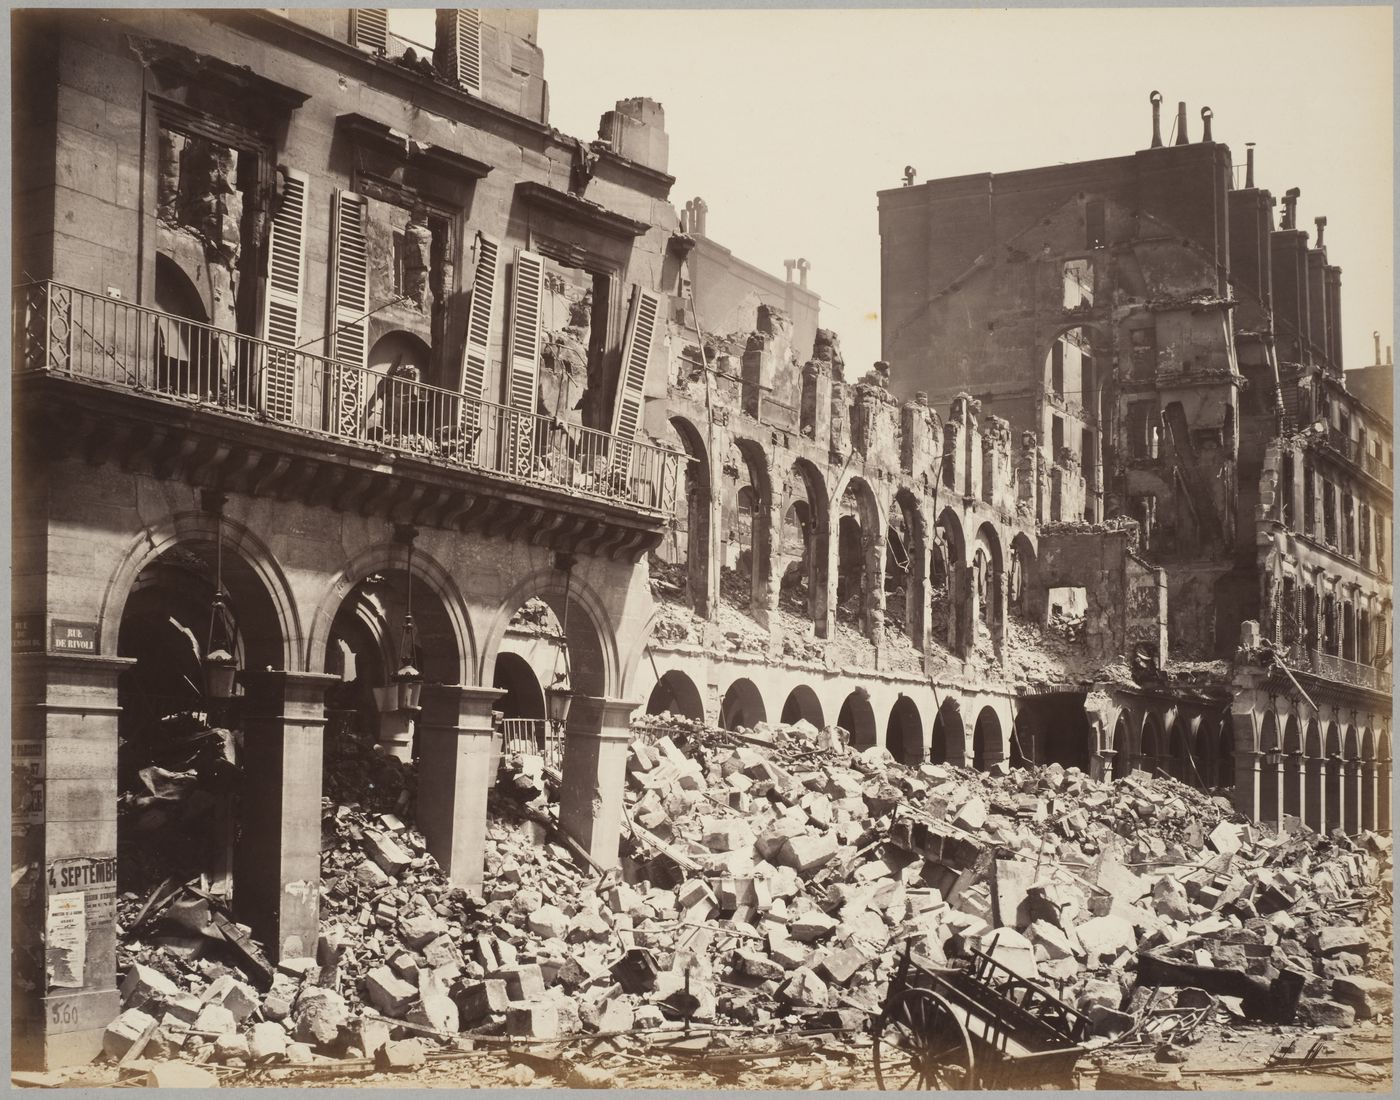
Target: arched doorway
803, 705
183, 779
948, 743
742, 707
1153, 740
691, 545
988, 747
1121, 744
1332, 778
676, 692
522, 707
1292, 768
859, 546
1314, 767
1180, 760
858, 719
1269, 770
904, 736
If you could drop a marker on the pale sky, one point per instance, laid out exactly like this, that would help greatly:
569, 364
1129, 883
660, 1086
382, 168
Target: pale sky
788, 122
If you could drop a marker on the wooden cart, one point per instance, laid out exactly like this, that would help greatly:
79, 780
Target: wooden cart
982, 1027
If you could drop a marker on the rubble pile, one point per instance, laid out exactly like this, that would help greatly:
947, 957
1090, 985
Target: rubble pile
771, 878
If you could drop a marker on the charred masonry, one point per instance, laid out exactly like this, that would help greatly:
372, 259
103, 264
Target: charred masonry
348, 391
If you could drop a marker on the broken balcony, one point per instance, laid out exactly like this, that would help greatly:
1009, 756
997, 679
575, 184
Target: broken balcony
267, 418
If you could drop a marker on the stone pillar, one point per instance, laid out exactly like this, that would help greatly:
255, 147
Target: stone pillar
454, 774
996, 614
824, 615
595, 774
714, 530
1247, 759
918, 601
1351, 796
63, 760
875, 547
962, 612
277, 863
764, 584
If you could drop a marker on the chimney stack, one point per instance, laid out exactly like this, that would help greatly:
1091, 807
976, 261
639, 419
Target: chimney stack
1156, 100
1249, 164
1206, 115
1388, 363
1321, 223
1181, 138
1376, 336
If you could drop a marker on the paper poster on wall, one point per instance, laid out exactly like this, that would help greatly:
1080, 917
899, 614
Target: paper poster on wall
66, 940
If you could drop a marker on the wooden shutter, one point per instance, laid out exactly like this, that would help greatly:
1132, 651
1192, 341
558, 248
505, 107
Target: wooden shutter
369, 29
349, 328
282, 315
636, 357
466, 41
475, 351
523, 357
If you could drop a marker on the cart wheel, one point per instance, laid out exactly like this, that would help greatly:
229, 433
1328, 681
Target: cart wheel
920, 1044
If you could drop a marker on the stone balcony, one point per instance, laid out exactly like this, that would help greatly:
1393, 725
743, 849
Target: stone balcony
230, 412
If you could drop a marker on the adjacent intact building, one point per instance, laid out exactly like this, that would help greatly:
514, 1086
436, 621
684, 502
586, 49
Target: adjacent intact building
1174, 350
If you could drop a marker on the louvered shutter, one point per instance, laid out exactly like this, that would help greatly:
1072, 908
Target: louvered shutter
477, 347
349, 330
282, 316
523, 356
369, 29
467, 48
636, 357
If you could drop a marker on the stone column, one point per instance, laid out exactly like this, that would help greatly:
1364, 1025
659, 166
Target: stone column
595, 774
63, 760
824, 614
1247, 759
996, 614
277, 863
962, 596
765, 580
454, 774
1351, 796
874, 601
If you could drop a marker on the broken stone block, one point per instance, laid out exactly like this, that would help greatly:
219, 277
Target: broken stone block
1052, 940
476, 1001
1324, 1013
388, 993
972, 815
811, 926
1012, 950
1105, 936
804, 989
548, 922
435, 1008
142, 984
386, 852
215, 1019
539, 1020
523, 983
185, 1008
277, 1005
179, 1075
125, 1030
236, 996
397, 1056
229, 1046
1342, 937
421, 929
267, 1040
843, 964
728, 835
319, 1015
806, 853
1225, 838
1367, 996
1169, 899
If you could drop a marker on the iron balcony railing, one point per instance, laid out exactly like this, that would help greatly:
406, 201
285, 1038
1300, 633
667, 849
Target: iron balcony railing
1353, 451
1347, 672
533, 737
70, 332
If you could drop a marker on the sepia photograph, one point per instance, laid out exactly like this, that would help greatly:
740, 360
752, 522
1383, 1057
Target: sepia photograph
702, 549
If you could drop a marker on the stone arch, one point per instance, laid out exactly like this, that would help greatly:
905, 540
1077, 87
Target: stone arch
1332, 777
698, 505
761, 524
906, 580
1181, 762
1383, 782
802, 704
1314, 765
1351, 781
904, 733
1121, 745
594, 668
676, 692
988, 742
742, 706
817, 549
1368, 779
860, 551
445, 636
1152, 742
268, 619
1269, 748
948, 743
524, 695
1023, 581
1292, 768
857, 718
987, 574
950, 526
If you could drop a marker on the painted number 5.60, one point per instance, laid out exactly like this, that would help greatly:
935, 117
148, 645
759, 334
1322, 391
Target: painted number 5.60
64, 1012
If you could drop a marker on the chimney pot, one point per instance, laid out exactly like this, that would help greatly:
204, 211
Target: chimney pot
1376, 336
1249, 164
1206, 115
1156, 100
1321, 223
1181, 138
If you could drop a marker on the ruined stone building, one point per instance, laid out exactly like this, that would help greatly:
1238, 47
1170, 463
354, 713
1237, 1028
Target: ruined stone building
1176, 353
356, 405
